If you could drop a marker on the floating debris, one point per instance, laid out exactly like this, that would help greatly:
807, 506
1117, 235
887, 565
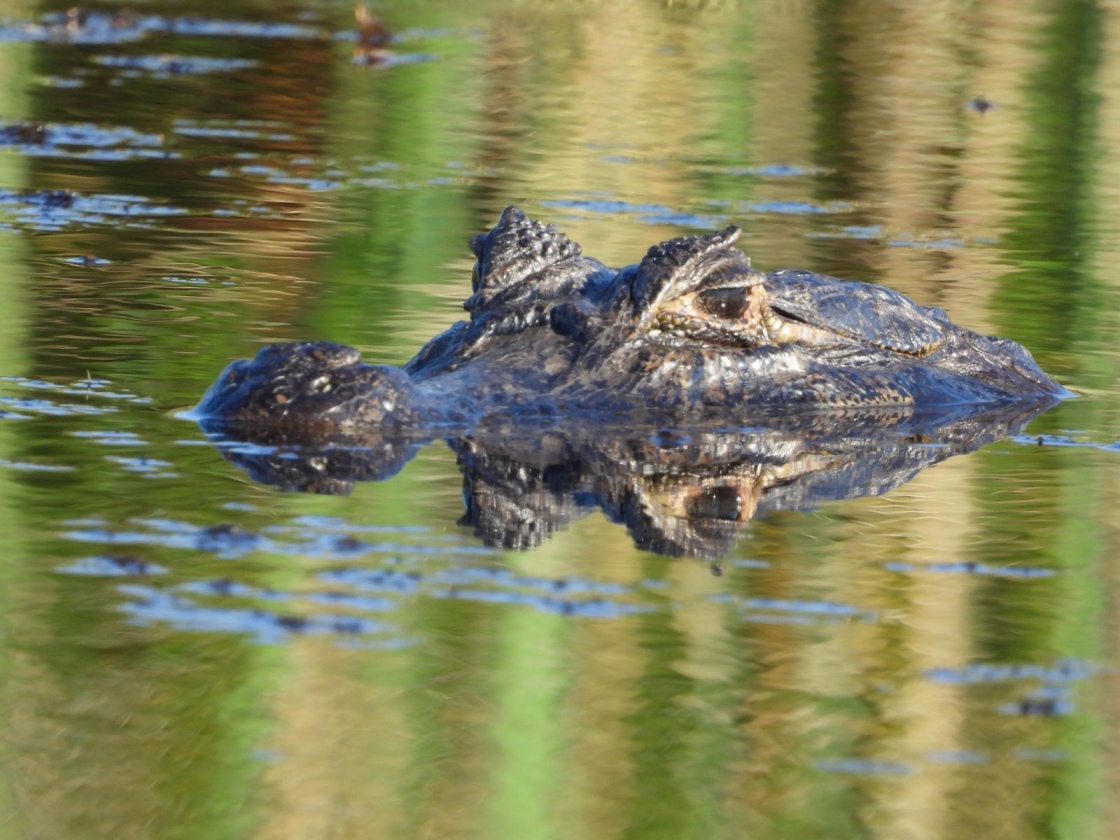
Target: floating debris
981, 105
373, 37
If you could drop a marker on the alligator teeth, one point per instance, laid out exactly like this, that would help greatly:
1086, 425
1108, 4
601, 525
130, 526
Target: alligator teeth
771, 325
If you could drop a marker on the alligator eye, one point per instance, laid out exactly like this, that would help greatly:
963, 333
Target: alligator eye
728, 304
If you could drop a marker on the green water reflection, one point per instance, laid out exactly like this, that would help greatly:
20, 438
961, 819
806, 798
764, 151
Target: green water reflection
185, 653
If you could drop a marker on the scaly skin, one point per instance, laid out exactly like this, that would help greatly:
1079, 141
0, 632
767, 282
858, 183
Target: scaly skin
692, 333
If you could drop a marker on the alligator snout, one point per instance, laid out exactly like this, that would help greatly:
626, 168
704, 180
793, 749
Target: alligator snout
312, 385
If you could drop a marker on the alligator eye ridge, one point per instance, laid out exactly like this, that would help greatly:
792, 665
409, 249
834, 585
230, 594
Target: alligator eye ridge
728, 303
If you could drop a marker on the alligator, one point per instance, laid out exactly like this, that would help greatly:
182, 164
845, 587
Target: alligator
691, 334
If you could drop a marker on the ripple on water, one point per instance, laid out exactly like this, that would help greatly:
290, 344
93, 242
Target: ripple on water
719, 212
57, 210
651, 214
1048, 691
26, 406
346, 601
957, 757
968, 567
112, 565
165, 66
148, 605
864, 766
16, 406
72, 138
143, 465
27, 466
1062, 671
796, 611
345, 608
353, 606
255, 130
81, 26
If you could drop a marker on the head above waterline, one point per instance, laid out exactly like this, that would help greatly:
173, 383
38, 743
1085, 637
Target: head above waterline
691, 333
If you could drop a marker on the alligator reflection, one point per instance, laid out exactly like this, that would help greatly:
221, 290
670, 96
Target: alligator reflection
680, 492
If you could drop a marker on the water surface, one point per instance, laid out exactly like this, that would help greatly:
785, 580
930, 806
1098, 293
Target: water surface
185, 652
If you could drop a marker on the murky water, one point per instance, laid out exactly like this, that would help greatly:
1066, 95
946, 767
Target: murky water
188, 652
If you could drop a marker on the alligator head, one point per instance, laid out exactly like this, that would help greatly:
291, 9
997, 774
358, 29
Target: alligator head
691, 332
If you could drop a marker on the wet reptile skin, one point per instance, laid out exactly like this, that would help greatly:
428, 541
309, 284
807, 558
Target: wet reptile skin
689, 334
